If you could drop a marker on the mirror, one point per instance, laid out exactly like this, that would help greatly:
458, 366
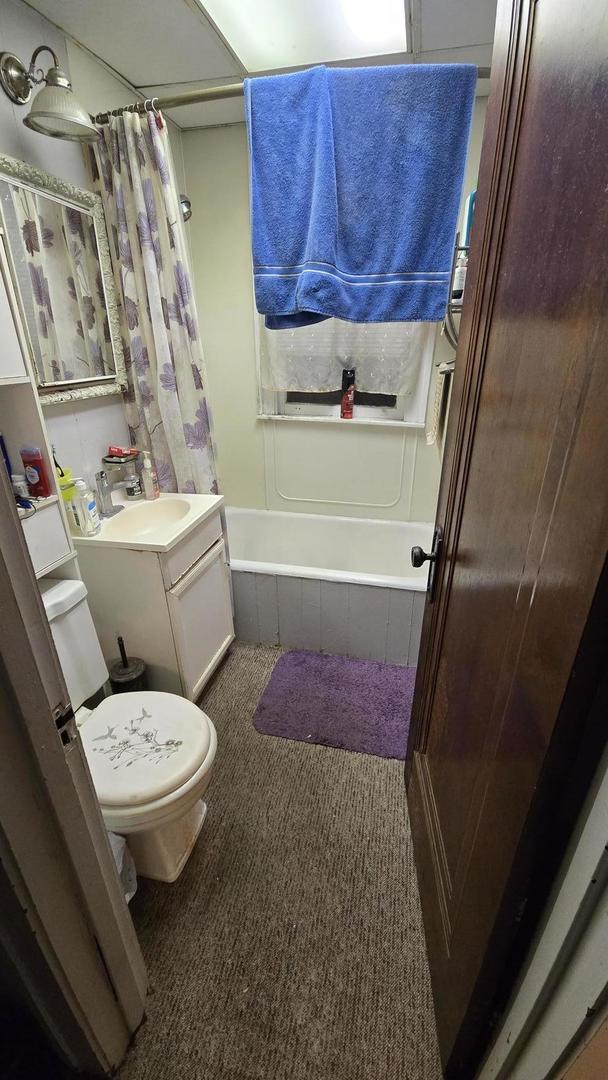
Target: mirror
58, 251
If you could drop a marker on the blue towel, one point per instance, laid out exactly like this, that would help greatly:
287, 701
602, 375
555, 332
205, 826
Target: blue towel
356, 175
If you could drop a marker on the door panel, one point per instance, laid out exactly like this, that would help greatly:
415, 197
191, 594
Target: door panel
71, 938
525, 523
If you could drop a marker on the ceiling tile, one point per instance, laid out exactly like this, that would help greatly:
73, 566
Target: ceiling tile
152, 41
271, 34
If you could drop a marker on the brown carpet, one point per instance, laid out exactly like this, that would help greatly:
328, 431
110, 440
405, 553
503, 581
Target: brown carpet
291, 948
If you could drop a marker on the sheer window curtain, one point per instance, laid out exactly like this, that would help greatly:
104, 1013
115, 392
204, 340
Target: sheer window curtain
166, 405
389, 358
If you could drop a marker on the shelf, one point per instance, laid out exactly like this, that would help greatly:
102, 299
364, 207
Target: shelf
55, 566
354, 422
15, 380
40, 504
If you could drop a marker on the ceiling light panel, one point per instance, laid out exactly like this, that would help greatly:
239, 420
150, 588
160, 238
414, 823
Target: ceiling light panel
270, 34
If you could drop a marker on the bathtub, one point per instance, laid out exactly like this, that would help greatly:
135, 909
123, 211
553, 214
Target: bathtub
330, 584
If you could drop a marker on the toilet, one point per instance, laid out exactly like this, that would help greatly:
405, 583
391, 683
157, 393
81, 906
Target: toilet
150, 753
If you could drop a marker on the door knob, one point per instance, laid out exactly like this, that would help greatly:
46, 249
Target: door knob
419, 557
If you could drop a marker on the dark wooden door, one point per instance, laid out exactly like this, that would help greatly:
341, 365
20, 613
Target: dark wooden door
499, 712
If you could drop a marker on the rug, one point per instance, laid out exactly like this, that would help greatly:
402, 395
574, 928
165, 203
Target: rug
359, 705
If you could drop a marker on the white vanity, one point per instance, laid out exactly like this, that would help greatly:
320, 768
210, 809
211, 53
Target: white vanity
156, 573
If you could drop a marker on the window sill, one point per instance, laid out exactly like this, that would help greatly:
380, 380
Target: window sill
360, 422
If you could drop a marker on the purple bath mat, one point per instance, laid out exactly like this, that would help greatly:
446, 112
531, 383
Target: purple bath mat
359, 705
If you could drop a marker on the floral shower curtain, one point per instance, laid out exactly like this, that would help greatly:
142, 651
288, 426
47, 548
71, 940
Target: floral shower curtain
71, 334
166, 407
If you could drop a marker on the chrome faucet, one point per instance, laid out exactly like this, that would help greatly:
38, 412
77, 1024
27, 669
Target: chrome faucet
105, 487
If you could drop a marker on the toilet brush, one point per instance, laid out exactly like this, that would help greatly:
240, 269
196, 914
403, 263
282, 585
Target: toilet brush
128, 673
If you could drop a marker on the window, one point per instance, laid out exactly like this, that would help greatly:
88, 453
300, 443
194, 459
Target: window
300, 370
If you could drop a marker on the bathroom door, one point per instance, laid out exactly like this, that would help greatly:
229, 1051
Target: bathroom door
67, 942
504, 734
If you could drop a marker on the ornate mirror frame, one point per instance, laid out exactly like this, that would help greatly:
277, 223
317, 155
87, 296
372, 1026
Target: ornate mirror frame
20, 172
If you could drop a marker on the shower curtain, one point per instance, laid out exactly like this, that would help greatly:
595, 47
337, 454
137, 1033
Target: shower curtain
166, 406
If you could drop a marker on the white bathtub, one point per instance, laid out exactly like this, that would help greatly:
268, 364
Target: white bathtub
332, 584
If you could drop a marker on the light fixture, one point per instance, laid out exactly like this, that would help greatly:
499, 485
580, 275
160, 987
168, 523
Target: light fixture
55, 111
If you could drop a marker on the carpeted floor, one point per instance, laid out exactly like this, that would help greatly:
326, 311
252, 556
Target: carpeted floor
291, 948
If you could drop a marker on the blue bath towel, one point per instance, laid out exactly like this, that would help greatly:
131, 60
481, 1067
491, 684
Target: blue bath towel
356, 175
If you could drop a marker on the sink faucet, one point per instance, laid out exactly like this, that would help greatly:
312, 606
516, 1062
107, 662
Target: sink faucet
105, 487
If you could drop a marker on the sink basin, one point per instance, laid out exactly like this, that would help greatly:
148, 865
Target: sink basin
146, 519
157, 525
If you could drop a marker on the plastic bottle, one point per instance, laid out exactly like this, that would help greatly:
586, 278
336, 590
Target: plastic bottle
133, 489
20, 485
88, 518
460, 276
348, 393
149, 477
35, 472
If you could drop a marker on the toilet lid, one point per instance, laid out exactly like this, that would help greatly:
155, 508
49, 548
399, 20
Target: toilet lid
143, 745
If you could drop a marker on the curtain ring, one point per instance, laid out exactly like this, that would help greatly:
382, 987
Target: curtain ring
147, 104
155, 106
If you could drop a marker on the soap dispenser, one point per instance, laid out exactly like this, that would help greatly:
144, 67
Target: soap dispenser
149, 477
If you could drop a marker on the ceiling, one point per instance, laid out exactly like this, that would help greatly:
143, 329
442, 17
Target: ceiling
165, 47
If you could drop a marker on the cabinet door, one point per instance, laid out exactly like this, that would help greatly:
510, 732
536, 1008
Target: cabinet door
12, 364
201, 618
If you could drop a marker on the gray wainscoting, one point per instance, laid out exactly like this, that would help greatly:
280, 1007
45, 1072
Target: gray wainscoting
368, 622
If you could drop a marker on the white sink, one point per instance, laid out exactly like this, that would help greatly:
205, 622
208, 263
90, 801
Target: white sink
145, 519
153, 526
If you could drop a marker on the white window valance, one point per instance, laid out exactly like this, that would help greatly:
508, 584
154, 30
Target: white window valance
389, 358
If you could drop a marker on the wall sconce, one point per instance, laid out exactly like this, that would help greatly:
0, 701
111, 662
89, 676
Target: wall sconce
55, 111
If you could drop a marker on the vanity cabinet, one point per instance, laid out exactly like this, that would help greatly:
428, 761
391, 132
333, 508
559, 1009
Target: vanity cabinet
172, 607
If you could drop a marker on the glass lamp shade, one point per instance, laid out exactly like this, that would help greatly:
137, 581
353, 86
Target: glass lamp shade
56, 112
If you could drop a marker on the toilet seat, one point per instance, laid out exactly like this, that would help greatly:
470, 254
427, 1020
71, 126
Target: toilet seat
149, 754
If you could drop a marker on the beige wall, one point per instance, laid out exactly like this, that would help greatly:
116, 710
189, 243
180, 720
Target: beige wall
315, 468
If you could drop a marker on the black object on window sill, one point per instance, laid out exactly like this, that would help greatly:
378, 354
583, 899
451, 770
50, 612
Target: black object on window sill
334, 397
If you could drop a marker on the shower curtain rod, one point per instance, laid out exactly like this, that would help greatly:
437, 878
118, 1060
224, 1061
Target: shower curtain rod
194, 97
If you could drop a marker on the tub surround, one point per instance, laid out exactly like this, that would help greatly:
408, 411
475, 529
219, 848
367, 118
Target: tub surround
328, 584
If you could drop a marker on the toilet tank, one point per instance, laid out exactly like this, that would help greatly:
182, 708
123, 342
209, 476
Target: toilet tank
80, 656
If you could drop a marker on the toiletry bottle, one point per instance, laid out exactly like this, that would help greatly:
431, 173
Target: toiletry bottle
460, 275
149, 477
35, 472
20, 485
133, 489
348, 393
88, 517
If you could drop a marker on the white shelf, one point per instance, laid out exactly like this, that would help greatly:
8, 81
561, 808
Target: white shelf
39, 504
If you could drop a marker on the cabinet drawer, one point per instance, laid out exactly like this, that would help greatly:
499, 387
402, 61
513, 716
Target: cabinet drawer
201, 618
46, 537
174, 563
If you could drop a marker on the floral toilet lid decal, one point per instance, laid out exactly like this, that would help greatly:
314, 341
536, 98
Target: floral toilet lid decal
143, 745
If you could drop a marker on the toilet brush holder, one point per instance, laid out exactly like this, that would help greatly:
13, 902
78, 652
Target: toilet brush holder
127, 674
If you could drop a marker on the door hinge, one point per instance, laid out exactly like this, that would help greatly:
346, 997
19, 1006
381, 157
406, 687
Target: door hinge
65, 722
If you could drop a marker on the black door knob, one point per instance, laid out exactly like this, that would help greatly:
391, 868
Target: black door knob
419, 557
